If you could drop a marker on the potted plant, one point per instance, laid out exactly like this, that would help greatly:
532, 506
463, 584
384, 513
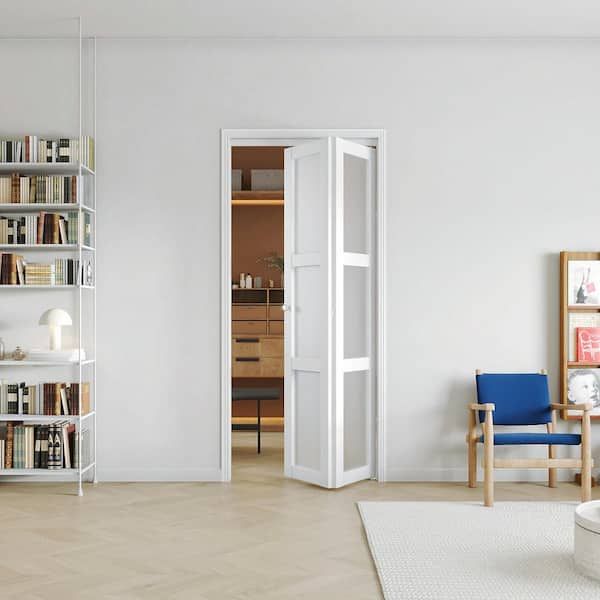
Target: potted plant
273, 262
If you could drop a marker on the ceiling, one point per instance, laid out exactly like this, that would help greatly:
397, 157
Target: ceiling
305, 18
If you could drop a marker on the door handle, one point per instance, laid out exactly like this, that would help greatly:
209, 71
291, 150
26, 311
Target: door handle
285, 308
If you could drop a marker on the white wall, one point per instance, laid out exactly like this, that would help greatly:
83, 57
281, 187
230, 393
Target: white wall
492, 170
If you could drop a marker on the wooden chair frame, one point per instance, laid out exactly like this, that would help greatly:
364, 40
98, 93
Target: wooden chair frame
585, 462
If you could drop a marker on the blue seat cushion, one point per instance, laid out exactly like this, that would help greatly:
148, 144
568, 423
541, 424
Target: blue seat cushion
558, 439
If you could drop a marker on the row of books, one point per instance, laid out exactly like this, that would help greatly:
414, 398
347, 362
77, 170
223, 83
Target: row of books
15, 270
54, 446
38, 189
34, 149
50, 399
45, 228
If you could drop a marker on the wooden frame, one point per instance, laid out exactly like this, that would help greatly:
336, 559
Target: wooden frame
565, 313
585, 462
290, 137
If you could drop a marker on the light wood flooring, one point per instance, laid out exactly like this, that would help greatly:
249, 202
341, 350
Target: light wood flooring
261, 536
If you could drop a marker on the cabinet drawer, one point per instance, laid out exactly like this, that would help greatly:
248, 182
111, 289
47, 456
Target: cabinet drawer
245, 346
248, 313
256, 327
276, 327
272, 367
246, 367
275, 313
272, 347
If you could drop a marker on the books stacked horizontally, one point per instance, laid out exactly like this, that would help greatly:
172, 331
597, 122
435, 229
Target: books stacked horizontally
55, 399
54, 446
56, 355
38, 274
16, 270
38, 189
34, 149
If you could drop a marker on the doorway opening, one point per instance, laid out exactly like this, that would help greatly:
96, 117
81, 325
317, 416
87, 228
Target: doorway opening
302, 352
257, 320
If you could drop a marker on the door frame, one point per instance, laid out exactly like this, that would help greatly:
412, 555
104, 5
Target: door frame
292, 137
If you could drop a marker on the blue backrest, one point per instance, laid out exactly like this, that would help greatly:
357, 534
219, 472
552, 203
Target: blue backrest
520, 398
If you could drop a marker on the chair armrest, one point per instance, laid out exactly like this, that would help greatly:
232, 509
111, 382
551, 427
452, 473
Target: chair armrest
489, 407
584, 407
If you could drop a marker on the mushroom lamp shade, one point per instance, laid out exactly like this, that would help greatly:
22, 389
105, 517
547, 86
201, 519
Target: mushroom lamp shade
55, 318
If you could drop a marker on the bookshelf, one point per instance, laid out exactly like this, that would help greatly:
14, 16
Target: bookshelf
54, 397
573, 316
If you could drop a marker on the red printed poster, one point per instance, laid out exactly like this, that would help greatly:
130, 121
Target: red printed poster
588, 344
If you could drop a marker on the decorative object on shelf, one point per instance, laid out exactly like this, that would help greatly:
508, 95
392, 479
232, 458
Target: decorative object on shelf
258, 282
248, 281
19, 353
2, 349
242, 280
236, 180
583, 386
588, 344
266, 179
584, 282
55, 318
235, 286
271, 283
273, 261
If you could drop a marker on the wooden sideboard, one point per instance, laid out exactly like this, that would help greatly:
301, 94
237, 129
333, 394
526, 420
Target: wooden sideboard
257, 355
257, 311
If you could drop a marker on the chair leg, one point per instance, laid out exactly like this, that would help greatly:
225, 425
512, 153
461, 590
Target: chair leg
488, 462
472, 460
586, 458
551, 427
551, 471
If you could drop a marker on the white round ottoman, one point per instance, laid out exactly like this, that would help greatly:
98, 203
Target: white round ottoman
587, 538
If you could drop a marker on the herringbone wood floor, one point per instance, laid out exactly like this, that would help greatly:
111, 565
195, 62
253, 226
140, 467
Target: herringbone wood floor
259, 537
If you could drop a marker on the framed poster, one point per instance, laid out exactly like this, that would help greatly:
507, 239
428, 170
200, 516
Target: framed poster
584, 282
583, 385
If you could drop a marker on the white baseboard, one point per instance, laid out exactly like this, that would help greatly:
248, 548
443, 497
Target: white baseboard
460, 475
159, 475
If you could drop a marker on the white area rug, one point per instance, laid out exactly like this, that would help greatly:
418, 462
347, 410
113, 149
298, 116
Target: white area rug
464, 551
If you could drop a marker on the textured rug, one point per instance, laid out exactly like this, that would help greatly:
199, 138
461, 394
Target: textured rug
463, 551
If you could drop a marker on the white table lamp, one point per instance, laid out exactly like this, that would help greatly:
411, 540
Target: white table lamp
55, 318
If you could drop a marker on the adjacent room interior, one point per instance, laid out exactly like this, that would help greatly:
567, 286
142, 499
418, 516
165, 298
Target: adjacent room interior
257, 298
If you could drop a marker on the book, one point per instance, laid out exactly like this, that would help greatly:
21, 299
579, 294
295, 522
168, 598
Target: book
9, 445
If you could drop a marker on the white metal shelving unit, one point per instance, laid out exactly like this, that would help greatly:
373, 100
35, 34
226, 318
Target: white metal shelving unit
86, 204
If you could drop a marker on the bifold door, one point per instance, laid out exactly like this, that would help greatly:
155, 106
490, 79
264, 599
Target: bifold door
329, 321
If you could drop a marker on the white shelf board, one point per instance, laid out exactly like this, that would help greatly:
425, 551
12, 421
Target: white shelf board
44, 418
44, 168
53, 247
63, 471
43, 363
45, 287
20, 208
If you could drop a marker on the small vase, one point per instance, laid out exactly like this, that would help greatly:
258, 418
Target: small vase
18, 354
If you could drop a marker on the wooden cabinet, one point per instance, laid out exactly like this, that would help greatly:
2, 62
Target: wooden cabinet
257, 311
275, 312
250, 312
275, 327
255, 327
260, 356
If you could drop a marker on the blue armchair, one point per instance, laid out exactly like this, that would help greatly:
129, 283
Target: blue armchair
523, 399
